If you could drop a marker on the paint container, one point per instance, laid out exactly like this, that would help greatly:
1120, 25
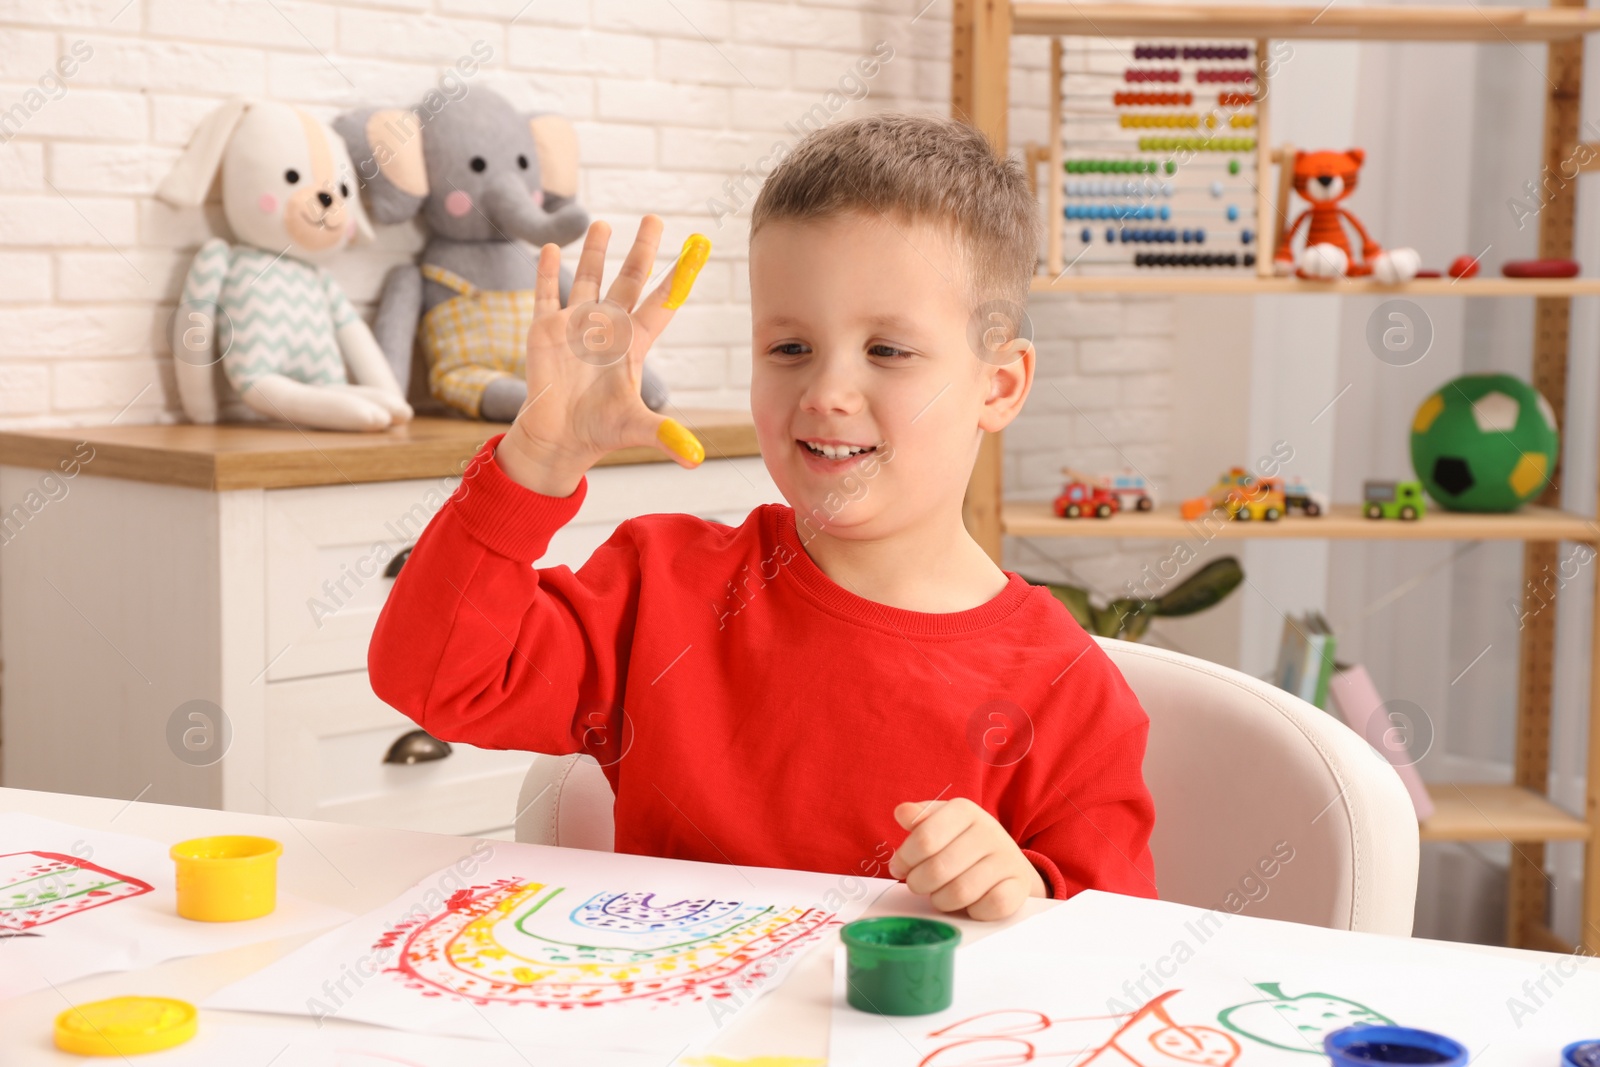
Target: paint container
125, 1026
1378, 1046
899, 965
1581, 1054
225, 879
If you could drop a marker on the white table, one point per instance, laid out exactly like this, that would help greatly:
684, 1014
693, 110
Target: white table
359, 868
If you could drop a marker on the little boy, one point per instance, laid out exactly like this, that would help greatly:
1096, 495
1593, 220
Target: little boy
845, 684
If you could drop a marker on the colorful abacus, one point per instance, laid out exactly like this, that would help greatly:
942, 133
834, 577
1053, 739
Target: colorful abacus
1197, 183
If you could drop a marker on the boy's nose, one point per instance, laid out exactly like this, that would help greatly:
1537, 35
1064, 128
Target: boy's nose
831, 389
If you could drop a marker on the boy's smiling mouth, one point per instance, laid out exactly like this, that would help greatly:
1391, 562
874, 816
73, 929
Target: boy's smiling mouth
834, 450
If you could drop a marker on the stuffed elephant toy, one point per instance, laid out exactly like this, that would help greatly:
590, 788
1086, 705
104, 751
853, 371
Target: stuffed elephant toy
484, 177
263, 331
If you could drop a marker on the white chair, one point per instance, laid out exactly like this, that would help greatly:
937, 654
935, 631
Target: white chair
1264, 804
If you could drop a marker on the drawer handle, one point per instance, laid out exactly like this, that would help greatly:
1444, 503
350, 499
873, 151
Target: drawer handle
417, 746
393, 569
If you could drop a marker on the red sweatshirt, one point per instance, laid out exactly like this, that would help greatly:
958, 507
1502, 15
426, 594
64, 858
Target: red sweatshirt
747, 709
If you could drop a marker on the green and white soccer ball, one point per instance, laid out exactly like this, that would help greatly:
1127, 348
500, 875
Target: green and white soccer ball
1484, 442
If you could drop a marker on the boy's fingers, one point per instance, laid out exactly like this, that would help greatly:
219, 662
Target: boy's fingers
656, 311
547, 286
636, 268
933, 834
649, 430
913, 812
1000, 902
591, 263
970, 886
947, 864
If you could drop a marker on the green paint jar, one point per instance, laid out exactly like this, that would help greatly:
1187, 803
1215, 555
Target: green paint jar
898, 965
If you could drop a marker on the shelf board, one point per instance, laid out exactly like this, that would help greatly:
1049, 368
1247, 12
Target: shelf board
273, 456
1154, 282
1026, 518
1497, 813
1409, 22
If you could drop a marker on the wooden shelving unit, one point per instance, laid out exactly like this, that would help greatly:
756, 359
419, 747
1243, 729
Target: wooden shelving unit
1517, 812
1498, 813
1344, 22
1174, 283
1343, 522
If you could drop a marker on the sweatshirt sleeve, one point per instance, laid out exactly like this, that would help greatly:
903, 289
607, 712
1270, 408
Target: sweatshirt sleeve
1096, 814
478, 645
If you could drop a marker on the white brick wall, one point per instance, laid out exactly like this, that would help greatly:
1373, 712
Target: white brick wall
670, 100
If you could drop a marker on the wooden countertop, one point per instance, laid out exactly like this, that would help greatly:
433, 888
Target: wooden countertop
278, 457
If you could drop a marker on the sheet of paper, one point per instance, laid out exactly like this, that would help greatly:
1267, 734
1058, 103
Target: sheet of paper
369, 1046
564, 948
75, 902
1111, 981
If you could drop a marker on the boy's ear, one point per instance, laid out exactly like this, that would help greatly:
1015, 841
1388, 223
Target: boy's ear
1010, 381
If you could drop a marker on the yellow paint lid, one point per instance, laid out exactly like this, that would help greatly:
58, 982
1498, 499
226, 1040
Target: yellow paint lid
124, 1026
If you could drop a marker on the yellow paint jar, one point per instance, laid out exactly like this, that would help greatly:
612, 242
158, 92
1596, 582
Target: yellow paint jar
228, 878
125, 1026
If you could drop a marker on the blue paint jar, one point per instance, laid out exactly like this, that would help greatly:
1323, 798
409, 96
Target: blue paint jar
1581, 1054
1379, 1046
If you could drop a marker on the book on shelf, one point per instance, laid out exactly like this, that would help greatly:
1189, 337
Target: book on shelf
1356, 700
1306, 657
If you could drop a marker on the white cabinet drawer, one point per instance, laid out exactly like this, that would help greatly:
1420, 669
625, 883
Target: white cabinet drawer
327, 547
326, 738
326, 550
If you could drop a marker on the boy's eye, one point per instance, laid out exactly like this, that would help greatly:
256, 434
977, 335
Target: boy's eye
788, 348
888, 351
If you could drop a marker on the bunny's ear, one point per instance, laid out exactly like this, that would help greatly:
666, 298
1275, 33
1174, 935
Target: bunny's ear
191, 178
386, 148
557, 144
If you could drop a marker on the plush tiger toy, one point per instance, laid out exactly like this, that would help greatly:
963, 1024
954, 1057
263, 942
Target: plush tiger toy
1324, 179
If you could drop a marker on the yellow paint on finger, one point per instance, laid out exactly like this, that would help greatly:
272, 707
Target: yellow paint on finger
680, 441
696, 250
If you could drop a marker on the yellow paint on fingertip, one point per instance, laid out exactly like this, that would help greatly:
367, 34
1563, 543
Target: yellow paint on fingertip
696, 250
677, 437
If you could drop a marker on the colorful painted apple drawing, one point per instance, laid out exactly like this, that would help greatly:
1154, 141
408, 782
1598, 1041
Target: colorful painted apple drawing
1308, 1017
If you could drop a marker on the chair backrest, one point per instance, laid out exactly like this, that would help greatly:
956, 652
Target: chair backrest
566, 800
1264, 804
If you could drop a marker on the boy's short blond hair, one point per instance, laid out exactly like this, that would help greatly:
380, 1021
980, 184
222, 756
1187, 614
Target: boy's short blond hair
919, 168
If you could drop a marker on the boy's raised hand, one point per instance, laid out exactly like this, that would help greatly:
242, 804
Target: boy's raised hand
959, 856
585, 361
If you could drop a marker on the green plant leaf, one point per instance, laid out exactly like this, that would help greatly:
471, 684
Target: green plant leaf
1206, 588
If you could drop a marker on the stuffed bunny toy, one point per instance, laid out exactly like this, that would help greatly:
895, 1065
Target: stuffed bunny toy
289, 345
484, 177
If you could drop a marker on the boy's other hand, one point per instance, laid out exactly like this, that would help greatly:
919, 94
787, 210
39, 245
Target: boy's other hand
959, 856
584, 373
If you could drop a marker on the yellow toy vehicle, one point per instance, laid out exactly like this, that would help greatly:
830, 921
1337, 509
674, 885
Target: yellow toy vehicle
1247, 497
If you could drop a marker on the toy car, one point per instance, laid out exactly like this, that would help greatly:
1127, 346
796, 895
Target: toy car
1131, 484
1080, 497
1247, 497
1393, 500
1299, 496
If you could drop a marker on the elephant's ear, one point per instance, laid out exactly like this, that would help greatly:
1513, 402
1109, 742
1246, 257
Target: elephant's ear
557, 144
386, 148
